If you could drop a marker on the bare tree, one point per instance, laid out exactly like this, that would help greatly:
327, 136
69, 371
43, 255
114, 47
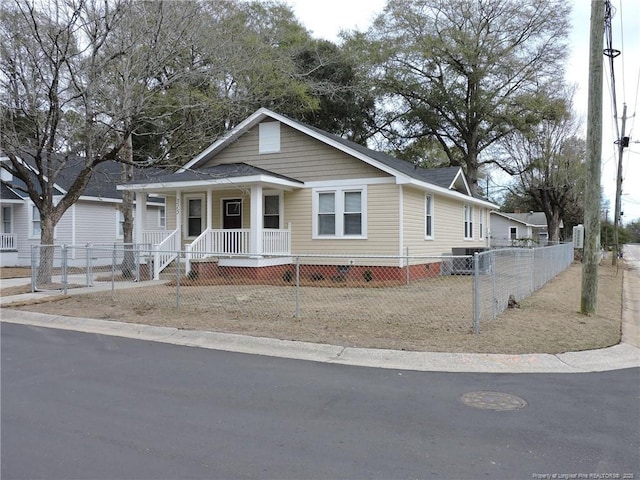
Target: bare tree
548, 162
76, 76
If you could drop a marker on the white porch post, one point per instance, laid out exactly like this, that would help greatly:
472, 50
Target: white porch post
179, 216
209, 209
255, 241
141, 216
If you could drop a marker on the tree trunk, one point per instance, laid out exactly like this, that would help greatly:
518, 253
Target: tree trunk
47, 249
128, 266
553, 226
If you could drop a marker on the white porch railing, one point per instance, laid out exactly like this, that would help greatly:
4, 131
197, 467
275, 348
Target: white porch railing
7, 241
276, 242
222, 242
154, 237
165, 252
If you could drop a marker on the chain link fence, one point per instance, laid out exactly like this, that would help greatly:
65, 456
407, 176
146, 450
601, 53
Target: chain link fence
451, 292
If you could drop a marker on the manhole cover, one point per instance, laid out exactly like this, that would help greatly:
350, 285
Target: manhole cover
493, 401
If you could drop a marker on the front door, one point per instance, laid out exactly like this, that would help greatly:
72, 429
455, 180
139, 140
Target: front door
232, 214
232, 220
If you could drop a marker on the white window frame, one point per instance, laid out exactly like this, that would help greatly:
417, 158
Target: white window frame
278, 194
481, 224
468, 221
339, 193
119, 223
515, 230
428, 217
7, 218
269, 137
162, 217
203, 213
33, 210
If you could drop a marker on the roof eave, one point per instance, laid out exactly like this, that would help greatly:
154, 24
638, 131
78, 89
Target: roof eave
250, 179
451, 193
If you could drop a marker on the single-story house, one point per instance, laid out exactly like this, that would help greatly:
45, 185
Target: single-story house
274, 188
93, 219
518, 229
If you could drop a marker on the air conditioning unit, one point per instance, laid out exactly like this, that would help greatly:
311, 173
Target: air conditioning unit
578, 236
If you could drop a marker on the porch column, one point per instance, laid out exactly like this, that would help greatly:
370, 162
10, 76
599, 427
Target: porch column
255, 236
140, 220
179, 216
209, 209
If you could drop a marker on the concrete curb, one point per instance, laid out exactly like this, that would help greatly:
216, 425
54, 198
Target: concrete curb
612, 358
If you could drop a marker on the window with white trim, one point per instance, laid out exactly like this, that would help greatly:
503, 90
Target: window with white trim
428, 216
271, 217
513, 233
35, 221
7, 221
468, 222
162, 217
481, 224
339, 213
194, 216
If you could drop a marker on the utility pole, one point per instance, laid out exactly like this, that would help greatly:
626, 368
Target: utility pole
622, 142
591, 257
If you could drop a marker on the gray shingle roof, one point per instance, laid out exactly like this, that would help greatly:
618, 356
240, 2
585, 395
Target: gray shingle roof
102, 184
530, 218
225, 170
7, 194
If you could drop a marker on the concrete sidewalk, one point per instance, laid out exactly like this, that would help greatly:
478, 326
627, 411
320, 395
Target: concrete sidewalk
624, 355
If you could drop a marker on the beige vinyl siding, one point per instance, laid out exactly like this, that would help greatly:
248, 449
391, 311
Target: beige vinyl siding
170, 207
448, 226
382, 224
301, 157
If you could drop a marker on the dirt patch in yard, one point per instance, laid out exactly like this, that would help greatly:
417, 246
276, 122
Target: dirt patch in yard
395, 317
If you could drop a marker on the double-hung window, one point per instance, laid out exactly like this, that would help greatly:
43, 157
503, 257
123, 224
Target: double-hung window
339, 213
7, 220
162, 217
428, 217
468, 222
481, 224
194, 216
35, 221
271, 217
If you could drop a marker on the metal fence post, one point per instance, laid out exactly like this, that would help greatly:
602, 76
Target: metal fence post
476, 293
88, 265
406, 262
64, 280
34, 268
297, 287
178, 280
494, 275
113, 273
137, 260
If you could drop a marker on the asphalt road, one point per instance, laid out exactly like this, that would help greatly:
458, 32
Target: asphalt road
87, 406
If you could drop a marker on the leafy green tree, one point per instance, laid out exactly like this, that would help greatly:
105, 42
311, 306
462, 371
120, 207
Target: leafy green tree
462, 72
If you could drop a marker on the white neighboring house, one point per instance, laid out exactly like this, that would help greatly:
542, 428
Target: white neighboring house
518, 229
93, 219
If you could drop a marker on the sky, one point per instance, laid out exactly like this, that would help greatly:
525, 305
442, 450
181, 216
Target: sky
326, 18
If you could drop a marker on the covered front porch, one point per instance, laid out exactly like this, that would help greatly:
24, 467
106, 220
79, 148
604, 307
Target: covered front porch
236, 219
